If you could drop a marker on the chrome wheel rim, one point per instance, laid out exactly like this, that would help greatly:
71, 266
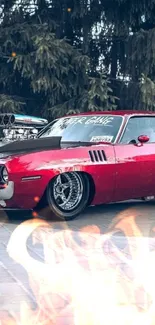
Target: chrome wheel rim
67, 191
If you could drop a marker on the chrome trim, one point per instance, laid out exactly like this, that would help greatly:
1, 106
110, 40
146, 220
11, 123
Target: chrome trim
15, 127
29, 178
10, 119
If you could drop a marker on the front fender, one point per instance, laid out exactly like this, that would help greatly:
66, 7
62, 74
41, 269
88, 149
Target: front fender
46, 165
30, 185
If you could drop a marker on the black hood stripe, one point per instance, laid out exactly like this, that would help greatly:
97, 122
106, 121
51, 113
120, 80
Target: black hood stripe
32, 145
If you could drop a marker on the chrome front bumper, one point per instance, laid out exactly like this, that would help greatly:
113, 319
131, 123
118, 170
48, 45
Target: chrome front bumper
6, 193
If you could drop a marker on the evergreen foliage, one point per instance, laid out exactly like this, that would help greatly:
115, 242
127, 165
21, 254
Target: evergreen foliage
76, 55
41, 70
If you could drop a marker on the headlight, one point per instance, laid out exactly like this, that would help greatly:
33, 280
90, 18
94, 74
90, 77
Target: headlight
5, 176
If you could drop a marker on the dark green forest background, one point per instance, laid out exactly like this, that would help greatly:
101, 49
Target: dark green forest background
60, 56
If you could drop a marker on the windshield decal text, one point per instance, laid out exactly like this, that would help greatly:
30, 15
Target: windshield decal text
95, 120
100, 120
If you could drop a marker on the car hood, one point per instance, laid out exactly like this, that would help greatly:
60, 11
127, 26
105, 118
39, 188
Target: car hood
40, 144
28, 146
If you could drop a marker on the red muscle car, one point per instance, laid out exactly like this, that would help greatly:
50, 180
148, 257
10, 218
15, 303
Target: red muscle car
81, 160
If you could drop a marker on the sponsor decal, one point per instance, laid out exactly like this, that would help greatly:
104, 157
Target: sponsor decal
107, 138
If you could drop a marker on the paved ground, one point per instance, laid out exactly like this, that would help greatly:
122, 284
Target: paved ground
14, 282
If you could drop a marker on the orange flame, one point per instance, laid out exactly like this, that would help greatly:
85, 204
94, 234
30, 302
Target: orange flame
88, 280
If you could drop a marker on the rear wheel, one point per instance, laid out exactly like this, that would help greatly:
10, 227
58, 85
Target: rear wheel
68, 194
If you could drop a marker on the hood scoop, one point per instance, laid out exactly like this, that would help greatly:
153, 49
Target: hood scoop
31, 145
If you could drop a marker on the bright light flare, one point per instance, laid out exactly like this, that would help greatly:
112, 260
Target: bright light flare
36, 198
13, 54
35, 214
86, 278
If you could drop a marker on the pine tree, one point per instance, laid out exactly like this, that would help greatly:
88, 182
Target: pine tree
42, 69
131, 58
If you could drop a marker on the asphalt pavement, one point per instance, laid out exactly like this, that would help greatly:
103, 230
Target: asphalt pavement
26, 244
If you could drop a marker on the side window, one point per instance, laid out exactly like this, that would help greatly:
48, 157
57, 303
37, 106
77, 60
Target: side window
139, 126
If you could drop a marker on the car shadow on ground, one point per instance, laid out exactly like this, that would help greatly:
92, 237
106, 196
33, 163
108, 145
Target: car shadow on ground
92, 215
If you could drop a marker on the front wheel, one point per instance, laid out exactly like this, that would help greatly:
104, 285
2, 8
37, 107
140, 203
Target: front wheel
68, 194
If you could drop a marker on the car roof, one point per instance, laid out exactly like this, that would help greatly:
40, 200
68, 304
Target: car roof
118, 112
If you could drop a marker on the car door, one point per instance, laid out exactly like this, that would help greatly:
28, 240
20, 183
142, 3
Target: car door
135, 162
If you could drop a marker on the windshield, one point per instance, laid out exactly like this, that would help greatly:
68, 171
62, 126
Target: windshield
92, 128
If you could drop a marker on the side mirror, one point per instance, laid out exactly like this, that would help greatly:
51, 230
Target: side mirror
143, 138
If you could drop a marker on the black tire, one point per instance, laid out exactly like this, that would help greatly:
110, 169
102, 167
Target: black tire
78, 192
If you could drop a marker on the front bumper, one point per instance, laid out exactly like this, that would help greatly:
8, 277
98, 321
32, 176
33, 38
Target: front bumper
6, 193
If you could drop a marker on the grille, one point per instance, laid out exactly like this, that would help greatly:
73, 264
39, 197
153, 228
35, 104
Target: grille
97, 155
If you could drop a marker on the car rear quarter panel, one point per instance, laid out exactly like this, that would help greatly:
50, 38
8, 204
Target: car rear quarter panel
48, 164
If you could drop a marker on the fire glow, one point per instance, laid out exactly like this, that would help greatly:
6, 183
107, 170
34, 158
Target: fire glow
89, 280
